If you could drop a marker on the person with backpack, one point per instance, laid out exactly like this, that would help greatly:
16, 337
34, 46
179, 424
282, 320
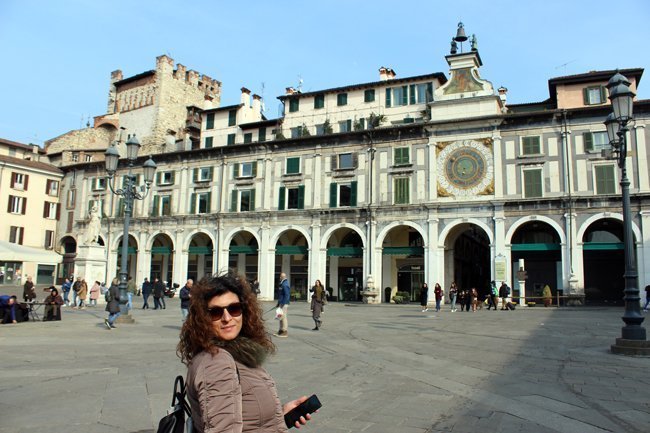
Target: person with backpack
112, 298
224, 344
504, 292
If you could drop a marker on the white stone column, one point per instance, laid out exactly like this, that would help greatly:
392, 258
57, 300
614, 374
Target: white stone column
641, 158
497, 164
266, 257
643, 253
179, 273
316, 270
498, 247
431, 259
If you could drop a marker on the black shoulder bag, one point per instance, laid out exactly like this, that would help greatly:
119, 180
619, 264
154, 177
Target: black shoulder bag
174, 421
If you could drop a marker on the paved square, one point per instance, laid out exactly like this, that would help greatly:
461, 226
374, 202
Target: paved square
385, 368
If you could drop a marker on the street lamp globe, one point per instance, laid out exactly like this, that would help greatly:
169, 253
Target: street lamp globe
613, 127
132, 148
149, 171
621, 97
112, 158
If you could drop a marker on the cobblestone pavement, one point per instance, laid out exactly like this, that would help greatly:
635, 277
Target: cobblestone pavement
386, 368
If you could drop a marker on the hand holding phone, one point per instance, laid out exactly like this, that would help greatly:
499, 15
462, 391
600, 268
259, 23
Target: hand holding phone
311, 405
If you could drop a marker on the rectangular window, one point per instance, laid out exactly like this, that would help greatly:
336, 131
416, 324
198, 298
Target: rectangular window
345, 161
424, 93
319, 101
232, 117
209, 121
397, 96
248, 137
72, 198
595, 141
293, 165
401, 193
605, 177
401, 156
245, 169
99, 184
230, 139
16, 235
343, 194
17, 205
88, 158
369, 95
203, 174
296, 132
165, 205
320, 129
165, 178
342, 99
292, 198
49, 239
209, 142
52, 188
262, 135
531, 146
533, 183
74, 157
201, 202
294, 105
19, 181
50, 210
247, 200
595, 95
345, 126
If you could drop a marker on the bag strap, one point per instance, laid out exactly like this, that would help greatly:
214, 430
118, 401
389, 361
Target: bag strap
179, 396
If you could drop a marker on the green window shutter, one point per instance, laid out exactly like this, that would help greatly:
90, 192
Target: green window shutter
193, 203
293, 165
233, 201
294, 105
585, 95
195, 175
353, 193
262, 135
405, 95
254, 169
209, 202
252, 205
429, 92
605, 179
232, 117
388, 95
173, 177
154, 209
158, 177
603, 94
301, 196
235, 170
533, 183
209, 122
283, 192
120, 207
210, 174
588, 139
333, 188
412, 94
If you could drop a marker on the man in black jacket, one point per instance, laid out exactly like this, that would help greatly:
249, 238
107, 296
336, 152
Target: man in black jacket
147, 287
185, 298
158, 293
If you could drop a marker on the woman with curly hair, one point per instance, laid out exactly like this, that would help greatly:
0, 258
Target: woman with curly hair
224, 344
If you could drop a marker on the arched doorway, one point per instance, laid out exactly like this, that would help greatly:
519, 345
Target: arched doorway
539, 245
604, 262
131, 257
467, 258
199, 257
403, 261
162, 258
344, 267
244, 255
68, 248
292, 258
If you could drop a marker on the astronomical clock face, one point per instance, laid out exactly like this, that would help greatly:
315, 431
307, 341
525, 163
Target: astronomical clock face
465, 168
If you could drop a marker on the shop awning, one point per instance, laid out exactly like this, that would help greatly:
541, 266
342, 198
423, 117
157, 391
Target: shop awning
19, 253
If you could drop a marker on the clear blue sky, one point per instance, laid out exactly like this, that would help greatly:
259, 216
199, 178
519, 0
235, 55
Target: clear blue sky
57, 55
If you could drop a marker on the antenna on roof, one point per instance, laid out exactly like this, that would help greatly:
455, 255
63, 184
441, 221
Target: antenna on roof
563, 65
300, 81
263, 107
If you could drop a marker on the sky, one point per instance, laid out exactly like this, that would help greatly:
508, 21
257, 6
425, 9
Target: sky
57, 55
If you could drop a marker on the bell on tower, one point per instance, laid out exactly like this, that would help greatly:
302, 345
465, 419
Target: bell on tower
460, 36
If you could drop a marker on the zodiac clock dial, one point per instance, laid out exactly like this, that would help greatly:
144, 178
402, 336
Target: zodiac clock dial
465, 168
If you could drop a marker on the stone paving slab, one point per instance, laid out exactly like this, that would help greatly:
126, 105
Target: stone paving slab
386, 368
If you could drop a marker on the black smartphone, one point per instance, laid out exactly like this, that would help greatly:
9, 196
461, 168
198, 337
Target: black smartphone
311, 405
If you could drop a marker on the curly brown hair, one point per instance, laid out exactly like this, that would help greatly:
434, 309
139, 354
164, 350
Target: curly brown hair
197, 333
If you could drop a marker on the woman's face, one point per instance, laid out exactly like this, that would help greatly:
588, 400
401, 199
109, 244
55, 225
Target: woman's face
228, 327
317, 283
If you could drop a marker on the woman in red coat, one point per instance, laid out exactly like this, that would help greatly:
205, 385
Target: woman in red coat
437, 291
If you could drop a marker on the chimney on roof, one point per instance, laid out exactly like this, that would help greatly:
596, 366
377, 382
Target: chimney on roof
290, 91
257, 104
382, 74
245, 97
390, 73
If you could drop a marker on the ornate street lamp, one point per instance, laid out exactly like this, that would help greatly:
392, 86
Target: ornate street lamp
633, 338
129, 192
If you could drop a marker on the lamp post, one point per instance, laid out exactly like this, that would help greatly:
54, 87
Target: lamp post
129, 192
633, 337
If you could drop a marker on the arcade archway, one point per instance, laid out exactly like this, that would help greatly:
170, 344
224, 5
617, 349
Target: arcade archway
162, 258
344, 266
199, 257
292, 257
131, 257
403, 261
243, 255
68, 248
467, 258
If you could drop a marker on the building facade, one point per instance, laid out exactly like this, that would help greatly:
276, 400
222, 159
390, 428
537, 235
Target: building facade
405, 180
29, 191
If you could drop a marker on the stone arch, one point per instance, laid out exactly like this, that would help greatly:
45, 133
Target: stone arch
531, 218
328, 233
452, 225
151, 239
227, 240
190, 236
602, 215
384, 232
276, 235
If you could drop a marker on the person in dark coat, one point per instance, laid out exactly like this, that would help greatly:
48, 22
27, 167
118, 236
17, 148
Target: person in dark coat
147, 288
318, 299
424, 297
53, 304
437, 291
8, 309
113, 304
185, 298
158, 293
29, 294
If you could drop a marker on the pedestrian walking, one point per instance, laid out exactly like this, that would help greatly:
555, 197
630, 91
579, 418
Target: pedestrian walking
283, 303
112, 298
504, 292
82, 292
473, 296
493, 296
462, 299
158, 293
65, 288
647, 298
424, 297
318, 299
453, 294
437, 292
547, 295
131, 289
94, 294
255, 287
147, 288
75, 292
184, 294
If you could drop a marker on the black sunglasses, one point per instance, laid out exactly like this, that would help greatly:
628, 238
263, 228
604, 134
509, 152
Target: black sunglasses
235, 310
